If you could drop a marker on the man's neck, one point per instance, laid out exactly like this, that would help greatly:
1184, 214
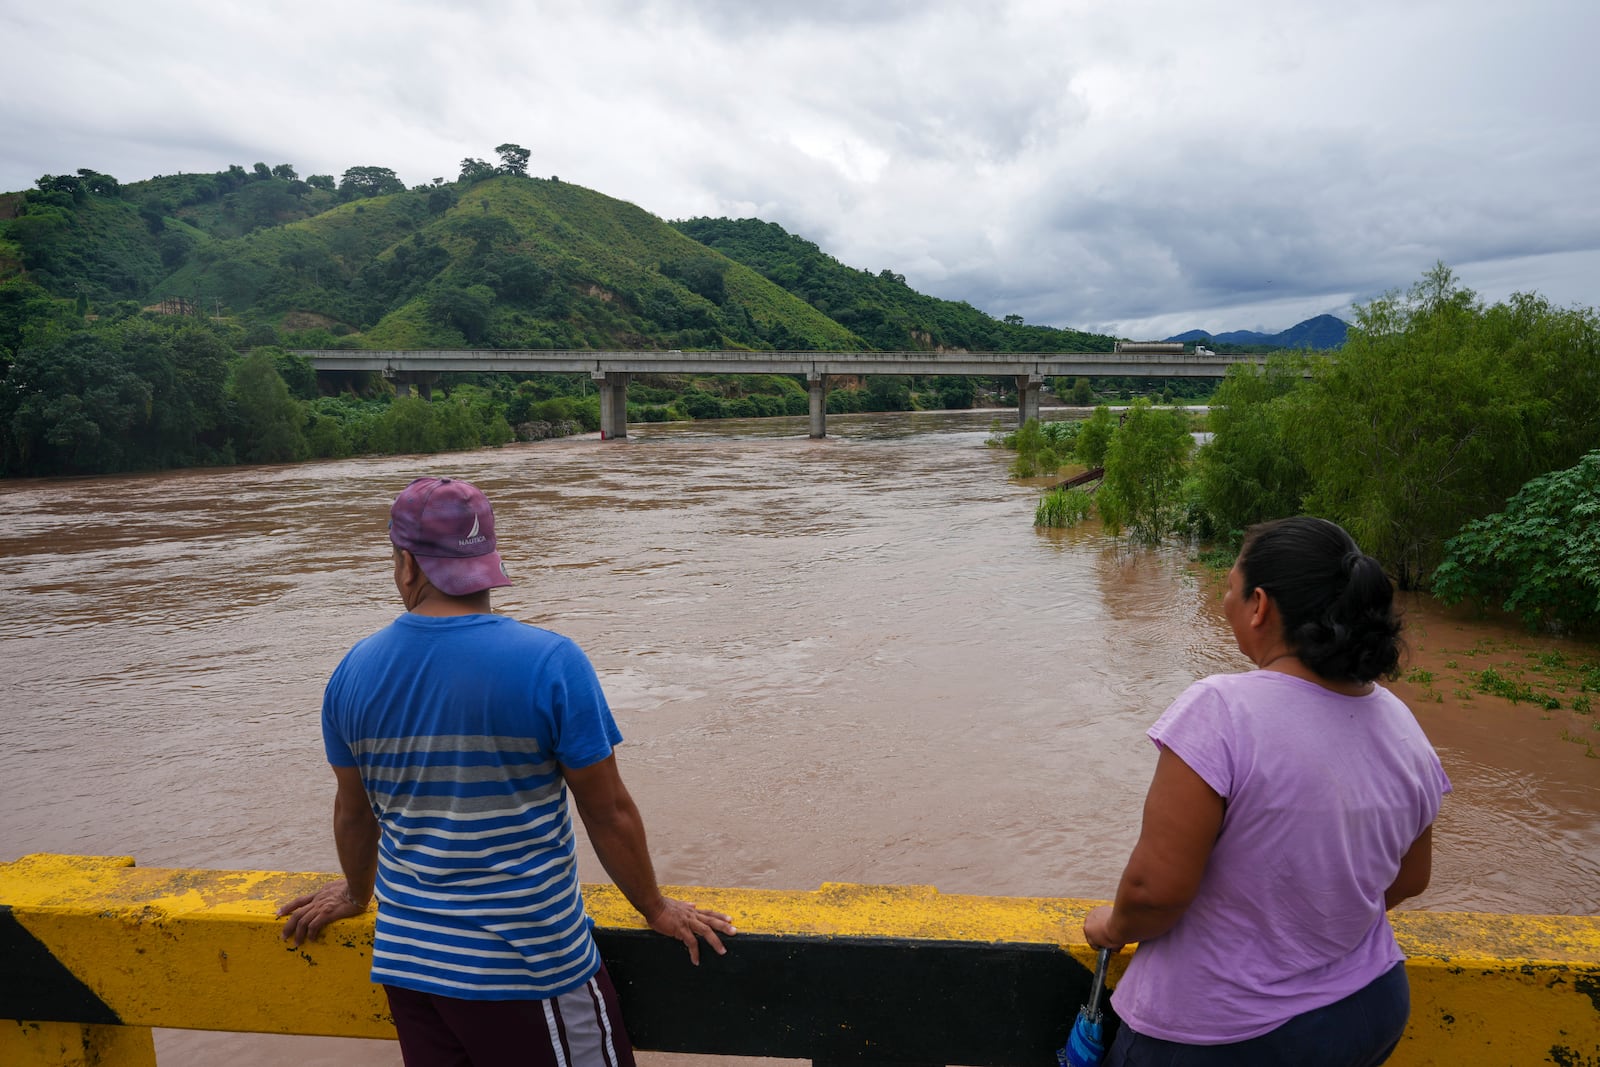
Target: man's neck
439, 605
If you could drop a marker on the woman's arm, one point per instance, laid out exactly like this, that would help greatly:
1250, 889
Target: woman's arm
1416, 870
1182, 816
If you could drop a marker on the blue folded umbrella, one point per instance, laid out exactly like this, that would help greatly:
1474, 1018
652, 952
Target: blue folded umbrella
1086, 1044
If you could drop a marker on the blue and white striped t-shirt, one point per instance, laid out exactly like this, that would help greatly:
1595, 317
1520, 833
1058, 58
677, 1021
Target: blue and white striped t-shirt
459, 727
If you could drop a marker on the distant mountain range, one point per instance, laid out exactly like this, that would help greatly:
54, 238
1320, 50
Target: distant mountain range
1324, 331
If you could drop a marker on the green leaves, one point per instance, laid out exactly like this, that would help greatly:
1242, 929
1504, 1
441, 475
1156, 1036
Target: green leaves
1540, 557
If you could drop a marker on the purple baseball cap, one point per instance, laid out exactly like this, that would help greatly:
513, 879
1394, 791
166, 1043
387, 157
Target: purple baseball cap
448, 525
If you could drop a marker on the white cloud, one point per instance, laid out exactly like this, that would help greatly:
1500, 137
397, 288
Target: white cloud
1129, 168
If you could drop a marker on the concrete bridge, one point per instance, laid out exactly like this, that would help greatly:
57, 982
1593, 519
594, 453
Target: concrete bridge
612, 369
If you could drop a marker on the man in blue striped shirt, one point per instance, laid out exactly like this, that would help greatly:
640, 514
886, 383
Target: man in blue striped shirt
455, 736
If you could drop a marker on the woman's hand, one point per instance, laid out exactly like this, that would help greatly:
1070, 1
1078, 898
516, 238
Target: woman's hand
1097, 929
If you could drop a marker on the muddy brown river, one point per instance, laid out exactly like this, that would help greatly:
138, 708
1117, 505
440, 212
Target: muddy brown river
848, 660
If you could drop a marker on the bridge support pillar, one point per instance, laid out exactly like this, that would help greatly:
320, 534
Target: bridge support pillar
613, 403
1028, 386
405, 381
818, 388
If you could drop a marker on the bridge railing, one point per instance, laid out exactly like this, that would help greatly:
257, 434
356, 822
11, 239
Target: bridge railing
95, 951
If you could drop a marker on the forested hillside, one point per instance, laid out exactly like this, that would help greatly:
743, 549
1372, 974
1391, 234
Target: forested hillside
493, 259
880, 307
148, 324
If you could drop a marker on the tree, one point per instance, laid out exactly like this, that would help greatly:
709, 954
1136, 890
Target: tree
285, 171
28, 316
466, 309
69, 407
701, 274
1437, 409
268, 420
1145, 464
518, 279
1095, 437
128, 395
1081, 393
513, 159
475, 170
441, 199
369, 182
70, 184
955, 391
407, 426
1247, 472
1540, 557
99, 184
321, 181
297, 373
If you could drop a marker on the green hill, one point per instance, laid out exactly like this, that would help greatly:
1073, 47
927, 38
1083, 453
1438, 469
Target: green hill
501, 261
506, 262
880, 307
146, 325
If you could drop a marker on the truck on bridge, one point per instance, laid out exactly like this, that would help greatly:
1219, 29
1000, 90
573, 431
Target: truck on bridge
1148, 347
1158, 348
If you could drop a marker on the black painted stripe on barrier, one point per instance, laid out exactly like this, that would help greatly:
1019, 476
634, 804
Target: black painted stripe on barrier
849, 1000
35, 985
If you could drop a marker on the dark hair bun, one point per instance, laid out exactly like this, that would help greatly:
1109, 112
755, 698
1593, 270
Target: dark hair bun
1336, 602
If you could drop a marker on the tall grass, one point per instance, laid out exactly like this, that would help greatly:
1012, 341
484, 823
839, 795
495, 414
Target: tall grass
1063, 507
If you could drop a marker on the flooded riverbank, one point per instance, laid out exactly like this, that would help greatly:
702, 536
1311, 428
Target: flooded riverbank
843, 660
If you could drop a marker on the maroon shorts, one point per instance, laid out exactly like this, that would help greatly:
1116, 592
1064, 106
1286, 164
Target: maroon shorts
582, 1028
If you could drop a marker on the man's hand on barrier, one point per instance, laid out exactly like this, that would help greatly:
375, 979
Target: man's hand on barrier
309, 913
689, 923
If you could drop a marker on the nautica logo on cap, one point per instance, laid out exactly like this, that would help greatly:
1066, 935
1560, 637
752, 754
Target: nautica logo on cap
473, 535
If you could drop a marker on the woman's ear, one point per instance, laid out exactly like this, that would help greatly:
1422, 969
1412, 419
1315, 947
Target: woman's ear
1260, 606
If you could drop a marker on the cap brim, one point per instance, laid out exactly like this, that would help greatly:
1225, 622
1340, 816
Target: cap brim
464, 575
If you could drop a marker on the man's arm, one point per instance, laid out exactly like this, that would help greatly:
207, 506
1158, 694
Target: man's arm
355, 835
1182, 817
616, 831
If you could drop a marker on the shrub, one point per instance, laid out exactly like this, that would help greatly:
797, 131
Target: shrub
1540, 557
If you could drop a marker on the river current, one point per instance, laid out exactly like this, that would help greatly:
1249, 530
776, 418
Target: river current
849, 660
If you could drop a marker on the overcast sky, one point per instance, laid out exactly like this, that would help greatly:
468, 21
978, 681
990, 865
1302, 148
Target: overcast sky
1138, 168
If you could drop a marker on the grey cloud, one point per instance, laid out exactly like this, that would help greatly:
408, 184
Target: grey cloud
1082, 167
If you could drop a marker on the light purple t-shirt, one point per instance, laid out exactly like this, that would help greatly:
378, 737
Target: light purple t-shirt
1324, 794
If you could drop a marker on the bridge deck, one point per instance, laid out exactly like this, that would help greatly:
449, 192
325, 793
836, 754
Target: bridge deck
810, 364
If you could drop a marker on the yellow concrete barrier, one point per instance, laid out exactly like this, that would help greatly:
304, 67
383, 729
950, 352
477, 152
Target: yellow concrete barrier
96, 950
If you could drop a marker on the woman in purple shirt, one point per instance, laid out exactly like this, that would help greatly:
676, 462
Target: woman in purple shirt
1291, 807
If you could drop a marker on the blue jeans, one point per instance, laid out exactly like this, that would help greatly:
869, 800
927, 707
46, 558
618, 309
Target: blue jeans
1359, 1031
